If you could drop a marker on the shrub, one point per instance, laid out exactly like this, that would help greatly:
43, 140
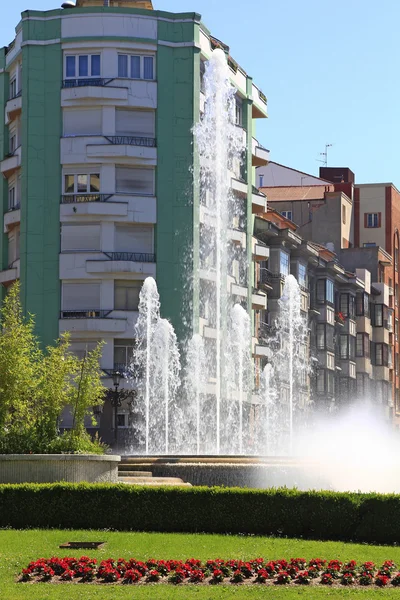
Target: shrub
200, 509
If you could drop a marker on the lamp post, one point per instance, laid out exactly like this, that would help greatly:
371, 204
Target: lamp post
116, 396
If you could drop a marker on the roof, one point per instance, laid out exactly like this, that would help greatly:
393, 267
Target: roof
277, 175
290, 193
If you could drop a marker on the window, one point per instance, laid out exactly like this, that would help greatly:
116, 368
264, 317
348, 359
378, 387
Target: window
81, 121
261, 180
79, 238
362, 304
382, 316
13, 246
302, 275
325, 337
131, 180
133, 239
372, 220
84, 183
343, 214
202, 73
325, 291
284, 263
381, 355
122, 420
123, 354
135, 66
13, 144
81, 348
11, 198
326, 381
80, 297
287, 214
13, 87
396, 259
346, 347
362, 345
82, 65
346, 306
238, 111
140, 123
126, 294
369, 244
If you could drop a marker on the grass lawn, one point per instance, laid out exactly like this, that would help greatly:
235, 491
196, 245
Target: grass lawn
17, 548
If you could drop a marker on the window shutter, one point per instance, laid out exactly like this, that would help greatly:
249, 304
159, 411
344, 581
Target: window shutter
365, 219
140, 123
80, 296
379, 219
135, 181
82, 122
12, 248
126, 294
134, 239
80, 237
79, 349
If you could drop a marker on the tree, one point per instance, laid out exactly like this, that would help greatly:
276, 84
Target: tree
35, 386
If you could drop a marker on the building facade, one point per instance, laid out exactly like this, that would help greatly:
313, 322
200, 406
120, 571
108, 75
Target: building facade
100, 172
351, 295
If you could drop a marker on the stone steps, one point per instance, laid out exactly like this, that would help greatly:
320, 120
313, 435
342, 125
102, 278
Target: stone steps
128, 473
174, 481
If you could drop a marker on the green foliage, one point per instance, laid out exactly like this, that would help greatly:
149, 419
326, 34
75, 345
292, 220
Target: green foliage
35, 386
283, 512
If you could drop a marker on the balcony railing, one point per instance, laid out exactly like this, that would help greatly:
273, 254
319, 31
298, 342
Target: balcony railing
266, 277
132, 256
96, 81
131, 140
93, 313
15, 206
92, 197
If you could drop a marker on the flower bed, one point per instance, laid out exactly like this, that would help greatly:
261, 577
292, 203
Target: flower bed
296, 571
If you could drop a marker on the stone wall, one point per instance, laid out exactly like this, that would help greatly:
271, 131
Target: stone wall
49, 468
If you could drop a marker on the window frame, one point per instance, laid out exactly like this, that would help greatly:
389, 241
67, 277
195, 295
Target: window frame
129, 56
362, 345
77, 57
372, 220
75, 175
288, 214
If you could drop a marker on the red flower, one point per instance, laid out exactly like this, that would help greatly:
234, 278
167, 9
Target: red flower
262, 575
382, 580
196, 576
132, 576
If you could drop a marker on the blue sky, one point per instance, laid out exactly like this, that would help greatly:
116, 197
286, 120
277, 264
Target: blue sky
329, 70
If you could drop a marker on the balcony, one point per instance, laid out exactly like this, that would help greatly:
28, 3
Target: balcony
137, 209
83, 198
11, 274
260, 251
260, 155
123, 262
86, 149
258, 201
105, 91
266, 279
12, 217
259, 106
87, 265
239, 186
92, 320
13, 108
124, 146
238, 290
258, 301
11, 163
238, 237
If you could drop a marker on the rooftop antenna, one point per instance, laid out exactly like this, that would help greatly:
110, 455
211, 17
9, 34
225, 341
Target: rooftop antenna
325, 155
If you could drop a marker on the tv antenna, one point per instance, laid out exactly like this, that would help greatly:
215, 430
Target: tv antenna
325, 155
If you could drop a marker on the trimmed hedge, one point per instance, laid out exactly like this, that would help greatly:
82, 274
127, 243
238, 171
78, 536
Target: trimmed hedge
318, 515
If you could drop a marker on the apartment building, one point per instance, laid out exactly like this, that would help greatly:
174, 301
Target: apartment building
99, 186
351, 313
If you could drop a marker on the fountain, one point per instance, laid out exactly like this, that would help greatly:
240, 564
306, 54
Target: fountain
199, 419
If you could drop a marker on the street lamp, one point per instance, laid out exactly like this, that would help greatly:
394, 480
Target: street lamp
116, 396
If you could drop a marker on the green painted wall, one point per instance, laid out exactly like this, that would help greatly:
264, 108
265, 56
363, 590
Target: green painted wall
41, 178
178, 77
4, 84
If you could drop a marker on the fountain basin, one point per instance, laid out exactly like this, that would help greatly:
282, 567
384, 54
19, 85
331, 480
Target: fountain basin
50, 468
233, 471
